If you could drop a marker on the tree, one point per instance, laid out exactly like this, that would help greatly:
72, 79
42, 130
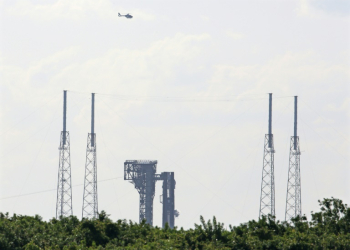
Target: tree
334, 217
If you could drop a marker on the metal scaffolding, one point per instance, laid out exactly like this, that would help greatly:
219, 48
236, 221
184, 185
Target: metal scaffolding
90, 201
267, 196
64, 184
142, 173
293, 200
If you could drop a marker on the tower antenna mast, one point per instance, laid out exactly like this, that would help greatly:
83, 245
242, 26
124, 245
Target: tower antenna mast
90, 201
64, 184
293, 200
267, 196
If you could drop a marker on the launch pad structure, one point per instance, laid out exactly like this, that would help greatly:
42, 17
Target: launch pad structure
142, 173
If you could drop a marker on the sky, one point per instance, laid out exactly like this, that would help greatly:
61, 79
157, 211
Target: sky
185, 83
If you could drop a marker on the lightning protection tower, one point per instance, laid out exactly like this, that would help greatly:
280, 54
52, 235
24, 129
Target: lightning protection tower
293, 201
64, 184
168, 199
90, 202
267, 197
142, 173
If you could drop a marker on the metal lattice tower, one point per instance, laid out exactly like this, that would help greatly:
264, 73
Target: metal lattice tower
90, 202
168, 199
64, 185
293, 201
267, 196
142, 173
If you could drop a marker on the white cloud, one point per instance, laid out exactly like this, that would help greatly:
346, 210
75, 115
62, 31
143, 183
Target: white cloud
134, 71
205, 18
21, 82
284, 74
340, 108
304, 8
234, 35
315, 8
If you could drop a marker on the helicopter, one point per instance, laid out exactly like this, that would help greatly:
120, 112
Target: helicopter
127, 15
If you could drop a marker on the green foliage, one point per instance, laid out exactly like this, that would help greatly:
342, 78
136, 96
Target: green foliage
31, 246
334, 217
328, 229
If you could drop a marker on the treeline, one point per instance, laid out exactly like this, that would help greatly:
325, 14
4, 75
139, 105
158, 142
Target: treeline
328, 229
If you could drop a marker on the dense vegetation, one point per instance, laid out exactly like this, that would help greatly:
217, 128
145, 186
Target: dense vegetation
327, 229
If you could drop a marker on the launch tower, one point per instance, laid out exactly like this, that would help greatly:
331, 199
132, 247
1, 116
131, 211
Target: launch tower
142, 173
